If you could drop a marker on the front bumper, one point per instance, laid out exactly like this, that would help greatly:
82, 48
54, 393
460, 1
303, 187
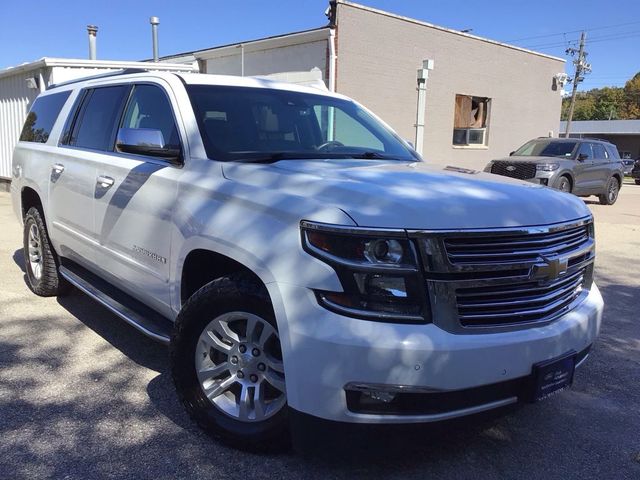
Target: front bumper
324, 352
548, 179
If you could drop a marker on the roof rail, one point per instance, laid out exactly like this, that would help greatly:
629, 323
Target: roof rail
124, 71
596, 139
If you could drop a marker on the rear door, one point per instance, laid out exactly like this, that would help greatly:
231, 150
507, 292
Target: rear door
73, 171
134, 203
602, 167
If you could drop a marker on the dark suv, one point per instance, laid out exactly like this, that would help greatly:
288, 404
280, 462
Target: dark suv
582, 166
635, 172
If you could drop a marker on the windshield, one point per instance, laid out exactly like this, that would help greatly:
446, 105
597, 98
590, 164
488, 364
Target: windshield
259, 124
546, 148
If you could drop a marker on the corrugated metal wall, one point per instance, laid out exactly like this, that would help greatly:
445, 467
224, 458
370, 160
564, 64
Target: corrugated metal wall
15, 101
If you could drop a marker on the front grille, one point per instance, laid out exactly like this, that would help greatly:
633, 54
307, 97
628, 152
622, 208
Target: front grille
516, 303
493, 248
507, 278
521, 170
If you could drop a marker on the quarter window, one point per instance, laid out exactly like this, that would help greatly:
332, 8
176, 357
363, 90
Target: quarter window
471, 119
42, 116
98, 118
149, 108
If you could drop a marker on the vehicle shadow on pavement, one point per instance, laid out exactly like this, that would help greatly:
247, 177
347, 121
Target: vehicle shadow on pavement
120, 427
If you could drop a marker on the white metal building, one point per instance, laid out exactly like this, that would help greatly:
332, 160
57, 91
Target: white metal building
19, 86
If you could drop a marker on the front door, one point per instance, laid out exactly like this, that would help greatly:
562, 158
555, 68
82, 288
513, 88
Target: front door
135, 198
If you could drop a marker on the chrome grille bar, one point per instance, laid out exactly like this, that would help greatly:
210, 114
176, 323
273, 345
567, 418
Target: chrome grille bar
506, 278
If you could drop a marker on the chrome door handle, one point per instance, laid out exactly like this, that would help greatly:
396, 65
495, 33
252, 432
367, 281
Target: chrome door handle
104, 181
57, 168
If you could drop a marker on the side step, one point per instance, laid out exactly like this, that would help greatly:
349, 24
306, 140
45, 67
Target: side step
135, 313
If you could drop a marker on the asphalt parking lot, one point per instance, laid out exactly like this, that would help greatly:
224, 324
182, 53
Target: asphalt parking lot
83, 395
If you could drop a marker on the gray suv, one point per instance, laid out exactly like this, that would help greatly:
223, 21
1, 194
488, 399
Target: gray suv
582, 166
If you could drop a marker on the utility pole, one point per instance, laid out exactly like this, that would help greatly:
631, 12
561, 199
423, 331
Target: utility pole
582, 67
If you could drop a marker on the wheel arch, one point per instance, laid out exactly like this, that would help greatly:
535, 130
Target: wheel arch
30, 198
202, 265
619, 178
570, 177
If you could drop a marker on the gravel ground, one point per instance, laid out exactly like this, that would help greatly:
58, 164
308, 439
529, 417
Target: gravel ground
83, 395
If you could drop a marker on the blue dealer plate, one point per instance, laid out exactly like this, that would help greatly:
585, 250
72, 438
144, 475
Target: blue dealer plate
553, 375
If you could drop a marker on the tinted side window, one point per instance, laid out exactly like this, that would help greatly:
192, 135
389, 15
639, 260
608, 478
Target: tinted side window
149, 108
97, 121
42, 116
613, 152
598, 151
585, 151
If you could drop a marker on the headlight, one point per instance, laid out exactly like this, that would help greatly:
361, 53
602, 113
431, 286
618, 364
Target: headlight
378, 270
547, 167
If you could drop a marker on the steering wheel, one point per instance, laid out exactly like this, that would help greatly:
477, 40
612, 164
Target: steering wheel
327, 145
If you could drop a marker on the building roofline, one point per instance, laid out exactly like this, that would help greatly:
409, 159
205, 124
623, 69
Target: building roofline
603, 127
444, 29
283, 36
78, 62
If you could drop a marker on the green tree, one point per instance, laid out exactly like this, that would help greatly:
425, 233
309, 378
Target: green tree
607, 103
632, 97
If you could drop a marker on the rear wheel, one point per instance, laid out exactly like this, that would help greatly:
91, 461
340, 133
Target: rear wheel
227, 364
564, 184
611, 194
637, 181
41, 264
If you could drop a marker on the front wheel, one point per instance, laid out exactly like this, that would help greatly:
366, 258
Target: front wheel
227, 366
564, 184
637, 181
611, 194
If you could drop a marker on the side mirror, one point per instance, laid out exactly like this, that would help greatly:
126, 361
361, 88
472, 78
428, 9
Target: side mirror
146, 141
410, 143
582, 157
511, 154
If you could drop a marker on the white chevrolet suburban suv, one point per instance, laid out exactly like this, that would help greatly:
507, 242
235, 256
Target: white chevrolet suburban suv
301, 260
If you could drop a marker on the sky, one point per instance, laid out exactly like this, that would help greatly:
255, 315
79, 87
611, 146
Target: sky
33, 29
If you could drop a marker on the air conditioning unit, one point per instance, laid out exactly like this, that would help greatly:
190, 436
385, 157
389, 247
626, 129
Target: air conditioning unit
469, 136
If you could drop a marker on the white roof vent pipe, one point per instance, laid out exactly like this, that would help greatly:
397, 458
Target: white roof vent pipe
92, 30
154, 21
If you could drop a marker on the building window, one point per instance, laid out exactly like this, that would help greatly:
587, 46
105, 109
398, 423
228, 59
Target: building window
470, 121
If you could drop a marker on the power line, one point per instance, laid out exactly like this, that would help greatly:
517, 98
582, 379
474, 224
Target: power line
553, 46
574, 31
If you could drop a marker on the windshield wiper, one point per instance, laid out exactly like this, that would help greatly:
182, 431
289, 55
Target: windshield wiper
374, 156
277, 156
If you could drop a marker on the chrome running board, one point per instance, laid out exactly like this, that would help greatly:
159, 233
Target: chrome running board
139, 316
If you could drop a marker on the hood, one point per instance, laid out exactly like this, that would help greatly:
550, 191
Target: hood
412, 195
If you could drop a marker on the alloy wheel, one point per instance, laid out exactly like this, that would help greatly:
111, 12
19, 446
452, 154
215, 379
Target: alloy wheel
613, 191
239, 366
35, 251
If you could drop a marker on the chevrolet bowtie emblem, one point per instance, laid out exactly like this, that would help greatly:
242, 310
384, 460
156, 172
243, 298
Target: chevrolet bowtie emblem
552, 267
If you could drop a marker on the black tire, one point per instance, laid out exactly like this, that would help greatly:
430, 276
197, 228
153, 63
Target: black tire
43, 277
236, 292
564, 184
611, 193
637, 181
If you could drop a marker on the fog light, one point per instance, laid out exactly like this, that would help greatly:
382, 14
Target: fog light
379, 395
